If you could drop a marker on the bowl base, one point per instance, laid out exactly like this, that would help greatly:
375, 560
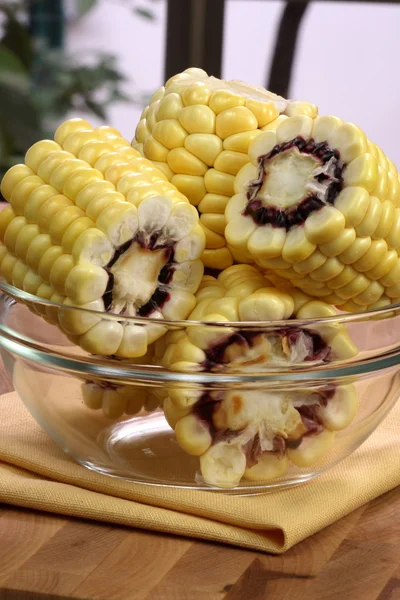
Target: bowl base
144, 450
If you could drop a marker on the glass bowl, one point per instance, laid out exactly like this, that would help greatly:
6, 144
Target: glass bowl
107, 413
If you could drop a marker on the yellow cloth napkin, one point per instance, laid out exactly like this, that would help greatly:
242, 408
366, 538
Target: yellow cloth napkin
35, 473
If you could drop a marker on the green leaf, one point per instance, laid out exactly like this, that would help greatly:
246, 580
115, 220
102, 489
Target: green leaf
18, 116
10, 62
16, 38
84, 6
145, 13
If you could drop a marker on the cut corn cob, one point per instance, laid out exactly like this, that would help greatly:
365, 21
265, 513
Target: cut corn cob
105, 233
254, 433
116, 401
198, 129
319, 204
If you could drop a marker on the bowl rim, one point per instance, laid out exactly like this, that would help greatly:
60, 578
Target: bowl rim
160, 376
342, 318
91, 367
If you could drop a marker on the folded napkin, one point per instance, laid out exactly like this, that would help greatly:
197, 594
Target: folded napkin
36, 474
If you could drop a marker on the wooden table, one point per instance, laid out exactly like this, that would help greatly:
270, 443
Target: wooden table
48, 557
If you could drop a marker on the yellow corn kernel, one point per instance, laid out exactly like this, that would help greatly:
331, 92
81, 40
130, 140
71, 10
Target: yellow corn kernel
205, 146
214, 222
240, 142
393, 193
24, 239
349, 140
191, 186
62, 220
64, 170
154, 150
297, 108
385, 221
273, 126
372, 217
92, 191
49, 209
231, 162
12, 231
265, 112
235, 120
355, 251
77, 181
372, 257
169, 107
36, 200
198, 119
86, 283
219, 258
36, 250
169, 133
69, 127
182, 161
385, 266
59, 272
93, 151
12, 178
335, 247
197, 93
51, 162
381, 190
222, 100
39, 152
47, 261
293, 127
362, 171
213, 203
217, 182
22, 191
353, 203
73, 232
193, 435
76, 141
7, 265
6, 216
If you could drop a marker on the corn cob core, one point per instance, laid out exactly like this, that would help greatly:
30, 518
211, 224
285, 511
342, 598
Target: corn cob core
93, 224
254, 433
319, 204
198, 129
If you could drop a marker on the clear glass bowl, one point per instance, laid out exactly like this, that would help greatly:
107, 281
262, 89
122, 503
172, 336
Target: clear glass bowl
107, 413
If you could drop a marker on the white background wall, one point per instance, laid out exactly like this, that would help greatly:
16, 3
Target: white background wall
346, 61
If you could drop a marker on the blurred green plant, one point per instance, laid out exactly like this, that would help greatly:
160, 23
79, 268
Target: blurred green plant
39, 85
142, 9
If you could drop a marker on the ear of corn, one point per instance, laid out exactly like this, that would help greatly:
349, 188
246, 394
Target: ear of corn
103, 232
319, 205
255, 433
198, 129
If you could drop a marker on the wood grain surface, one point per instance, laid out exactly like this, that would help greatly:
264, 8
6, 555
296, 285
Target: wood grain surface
46, 557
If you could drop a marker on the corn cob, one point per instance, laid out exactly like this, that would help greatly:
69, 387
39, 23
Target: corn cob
115, 400
254, 433
198, 129
93, 224
319, 204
